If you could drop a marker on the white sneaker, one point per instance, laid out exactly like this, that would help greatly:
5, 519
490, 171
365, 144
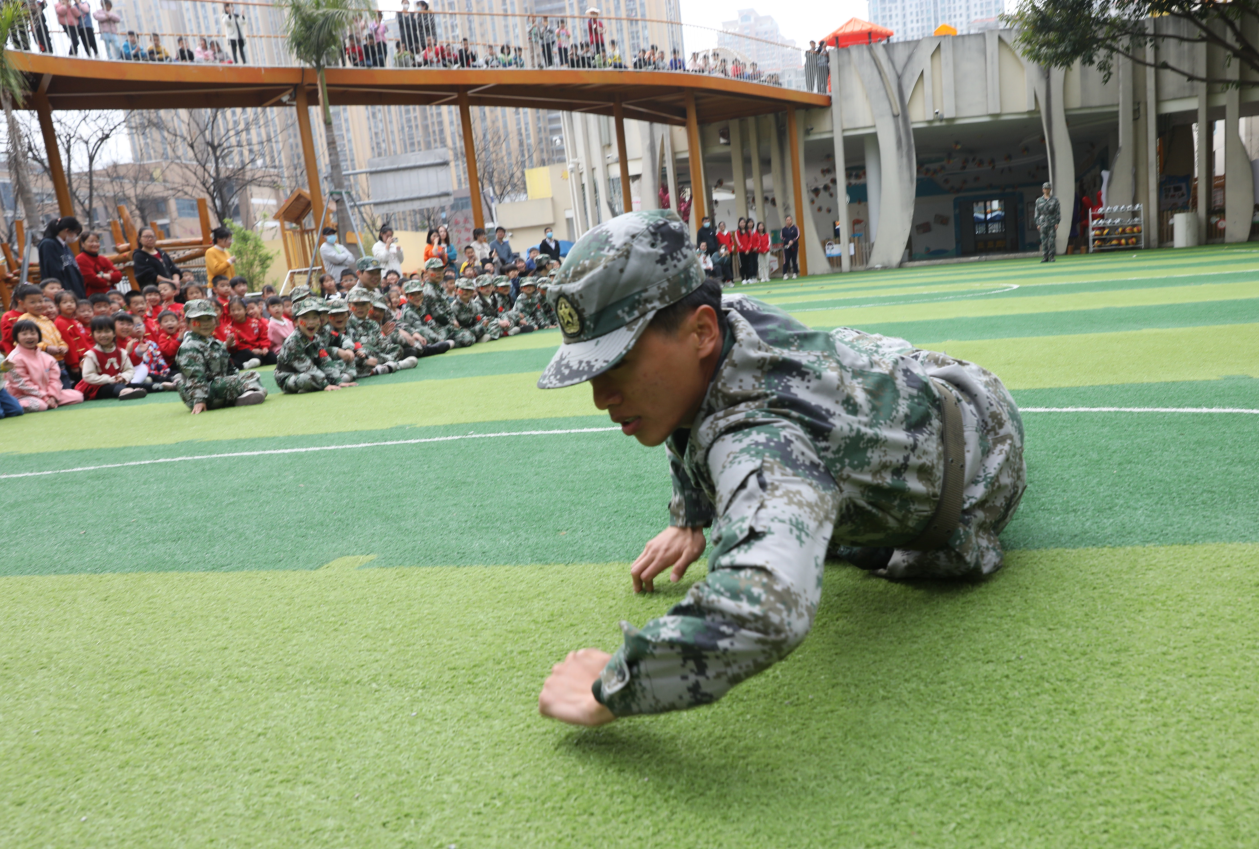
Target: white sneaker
253, 396
409, 362
251, 363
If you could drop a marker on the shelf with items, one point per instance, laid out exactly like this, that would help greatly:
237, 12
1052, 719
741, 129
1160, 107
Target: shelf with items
1117, 228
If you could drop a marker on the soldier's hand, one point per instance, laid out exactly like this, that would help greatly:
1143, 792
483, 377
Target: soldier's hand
566, 694
345, 354
332, 388
673, 549
198, 409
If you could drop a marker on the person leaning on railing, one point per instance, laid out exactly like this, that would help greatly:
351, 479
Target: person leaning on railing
107, 22
151, 264
234, 32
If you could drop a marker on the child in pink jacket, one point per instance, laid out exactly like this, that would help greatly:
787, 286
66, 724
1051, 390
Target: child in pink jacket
35, 380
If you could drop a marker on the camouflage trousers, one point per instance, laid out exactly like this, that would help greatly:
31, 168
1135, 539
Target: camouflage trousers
995, 473
307, 381
1048, 243
463, 337
224, 390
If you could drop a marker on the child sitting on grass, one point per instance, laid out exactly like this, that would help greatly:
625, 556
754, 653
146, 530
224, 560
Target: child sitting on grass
170, 332
101, 305
280, 326
304, 364
43, 316
250, 346
35, 379
222, 291
210, 381
26, 299
107, 370
151, 369
166, 293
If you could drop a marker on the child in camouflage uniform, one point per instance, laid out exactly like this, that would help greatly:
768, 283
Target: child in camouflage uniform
437, 310
390, 339
468, 312
302, 363
552, 320
336, 339
210, 378
425, 338
529, 306
365, 334
503, 307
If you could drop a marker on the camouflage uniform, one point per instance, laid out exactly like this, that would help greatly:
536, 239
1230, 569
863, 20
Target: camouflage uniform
304, 365
210, 376
365, 335
440, 315
413, 320
548, 311
807, 442
529, 307
1048, 215
502, 306
471, 317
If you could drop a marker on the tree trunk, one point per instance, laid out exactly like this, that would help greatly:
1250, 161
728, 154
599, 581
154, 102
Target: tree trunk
18, 170
334, 164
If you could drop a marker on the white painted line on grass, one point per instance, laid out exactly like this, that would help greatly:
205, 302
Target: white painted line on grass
1138, 410
307, 450
560, 432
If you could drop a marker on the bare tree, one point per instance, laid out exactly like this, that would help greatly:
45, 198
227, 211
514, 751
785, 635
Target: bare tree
502, 159
83, 138
222, 152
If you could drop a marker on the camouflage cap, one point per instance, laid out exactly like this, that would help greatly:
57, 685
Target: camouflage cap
197, 309
1047, 186
337, 305
306, 305
359, 296
465, 283
368, 263
614, 280
322, 305
485, 280
379, 302
502, 280
412, 286
434, 264
298, 293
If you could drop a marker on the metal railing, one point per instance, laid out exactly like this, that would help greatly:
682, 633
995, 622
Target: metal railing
435, 39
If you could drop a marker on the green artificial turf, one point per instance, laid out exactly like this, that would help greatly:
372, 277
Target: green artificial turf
1094, 697
235, 651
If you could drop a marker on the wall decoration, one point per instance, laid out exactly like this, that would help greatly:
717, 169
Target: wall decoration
923, 227
942, 220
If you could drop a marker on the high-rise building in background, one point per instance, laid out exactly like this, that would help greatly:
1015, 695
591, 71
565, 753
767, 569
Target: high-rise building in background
914, 19
772, 53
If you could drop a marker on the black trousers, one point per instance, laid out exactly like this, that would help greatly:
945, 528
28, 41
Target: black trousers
88, 36
791, 259
238, 44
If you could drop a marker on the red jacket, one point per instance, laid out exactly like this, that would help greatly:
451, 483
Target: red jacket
726, 238
169, 345
6, 328
762, 243
99, 274
250, 333
745, 243
76, 338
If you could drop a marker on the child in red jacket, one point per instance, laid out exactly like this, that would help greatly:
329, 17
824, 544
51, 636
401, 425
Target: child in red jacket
170, 334
71, 330
27, 298
762, 253
251, 345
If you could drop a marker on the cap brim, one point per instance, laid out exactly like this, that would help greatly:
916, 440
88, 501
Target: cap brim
576, 362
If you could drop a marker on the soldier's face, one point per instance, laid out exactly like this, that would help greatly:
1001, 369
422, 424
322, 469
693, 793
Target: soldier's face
659, 385
338, 320
360, 309
416, 299
310, 324
465, 295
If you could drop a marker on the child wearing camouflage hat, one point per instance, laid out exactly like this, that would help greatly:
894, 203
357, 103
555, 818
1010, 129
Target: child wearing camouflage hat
210, 377
365, 334
303, 364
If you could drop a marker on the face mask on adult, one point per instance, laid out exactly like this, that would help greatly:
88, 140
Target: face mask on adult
548, 234
332, 240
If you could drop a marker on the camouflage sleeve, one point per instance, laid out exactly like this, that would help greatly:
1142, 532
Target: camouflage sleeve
192, 366
689, 507
776, 504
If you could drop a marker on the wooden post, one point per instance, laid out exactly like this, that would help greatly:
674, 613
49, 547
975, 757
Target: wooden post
695, 156
469, 152
618, 117
55, 169
203, 213
308, 153
797, 193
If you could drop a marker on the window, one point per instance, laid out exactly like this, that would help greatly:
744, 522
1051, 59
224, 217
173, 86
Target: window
186, 208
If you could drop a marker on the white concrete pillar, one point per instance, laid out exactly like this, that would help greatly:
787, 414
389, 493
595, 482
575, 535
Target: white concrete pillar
809, 235
1119, 190
649, 156
670, 169
736, 165
1151, 141
841, 164
758, 204
1239, 181
782, 198
874, 185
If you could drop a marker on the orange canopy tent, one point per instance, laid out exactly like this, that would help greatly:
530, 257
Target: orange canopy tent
857, 31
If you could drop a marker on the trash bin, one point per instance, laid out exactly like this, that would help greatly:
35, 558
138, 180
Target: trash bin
1185, 229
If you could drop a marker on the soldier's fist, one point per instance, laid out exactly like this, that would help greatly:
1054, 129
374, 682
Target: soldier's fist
566, 695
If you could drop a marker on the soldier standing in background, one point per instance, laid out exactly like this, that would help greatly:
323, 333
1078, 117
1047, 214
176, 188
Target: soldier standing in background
1048, 214
791, 443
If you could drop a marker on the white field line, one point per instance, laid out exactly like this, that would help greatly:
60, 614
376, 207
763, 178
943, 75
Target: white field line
307, 450
1137, 410
391, 442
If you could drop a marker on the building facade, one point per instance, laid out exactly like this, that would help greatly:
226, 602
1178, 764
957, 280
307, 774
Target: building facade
915, 19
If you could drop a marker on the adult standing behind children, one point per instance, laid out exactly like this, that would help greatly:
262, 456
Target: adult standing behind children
151, 264
388, 251
336, 257
219, 259
55, 257
99, 273
790, 235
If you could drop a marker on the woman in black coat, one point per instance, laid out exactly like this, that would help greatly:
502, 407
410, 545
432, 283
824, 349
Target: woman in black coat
56, 260
151, 264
